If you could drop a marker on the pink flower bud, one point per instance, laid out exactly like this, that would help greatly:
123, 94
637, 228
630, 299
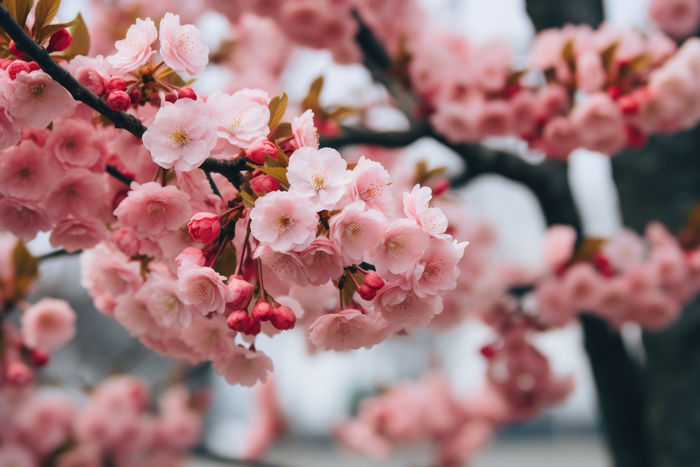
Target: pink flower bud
119, 100
135, 96
283, 318
254, 328
264, 184
126, 241
18, 374
262, 311
366, 292
373, 281
171, 97
60, 40
259, 149
17, 67
15, 51
187, 93
239, 320
629, 104
441, 186
34, 66
204, 227
242, 290
38, 358
116, 83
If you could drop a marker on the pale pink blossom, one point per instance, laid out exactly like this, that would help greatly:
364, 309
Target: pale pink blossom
583, 286
75, 234
355, 231
320, 176
14, 455
49, 413
24, 173
126, 241
560, 137
239, 119
669, 265
256, 95
304, 132
625, 249
77, 192
288, 266
655, 310
135, 51
436, 271
555, 307
678, 18
416, 205
558, 245
369, 184
132, 313
600, 124
615, 300
493, 118
181, 136
48, 324
37, 99
164, 301
243, 366
457, 121
93, 73
402, 242
284, 221
10, 130
24, 219
75, 143
209, 337
190, 257
181, 46
347, 329
590, 75
322, 261
204, 289
400, 306
153, 211
108, 269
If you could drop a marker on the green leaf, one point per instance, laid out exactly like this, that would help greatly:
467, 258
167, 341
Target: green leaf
608, 56
26, 268
226, 261
567, 54
283, 130
44, 13
81, 39
51, 29
311, 101
278, 106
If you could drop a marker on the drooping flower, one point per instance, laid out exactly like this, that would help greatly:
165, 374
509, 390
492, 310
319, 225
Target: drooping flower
284, 221
436, 270
243, 366
400, 244
181, 136
322, 261
369, 184
24, 219
343, 330
181, 46
401, 306
240, 120
355, 231
209, 337
164, 301
75, 234
48, 324
37, 99
135, 50
154, 211
24, 173
204, 289
78, 192
304, 131
318, 175
416, 206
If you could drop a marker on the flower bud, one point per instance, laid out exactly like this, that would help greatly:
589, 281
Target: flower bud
441, 186
283, 318
636, 138
17, 67
373, 281
187, 93
18, 374
126, 241
262, 311
38, 358
239, 320
254, 328
366, 292
116, 83
135, 96
259, 149
119, 100
264, 184
204, 227
242, 291
15, 51
171, 97
629, 104
60, 40
34, 66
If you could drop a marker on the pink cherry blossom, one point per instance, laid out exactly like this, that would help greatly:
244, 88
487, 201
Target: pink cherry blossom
135, 50
48, 324
416, 206
76, 234
15, 455
93, 73
456, 120
126, 241
133, 313
24, 173
554, 305
322, 260
436, 270
624, 250
583, 286
181, 46
164, 301
181, 136
369, 184
600, 124
37, 99
401, 243
203, 288
355, 231
304, 132
209, 337
190, 257
239, 119
678, 18
590, 75
318, 175
153, 211
23, 218
558, 245
243, 366
284, 221
288, 266
347, 329
75, 143
400, 306
560, 137
78, 192
204, 227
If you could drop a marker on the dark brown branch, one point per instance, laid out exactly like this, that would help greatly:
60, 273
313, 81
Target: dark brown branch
114, 172
57, 254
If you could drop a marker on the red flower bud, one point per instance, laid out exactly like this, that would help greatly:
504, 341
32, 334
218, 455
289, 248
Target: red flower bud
258, 150
262, 311
366, 292
34, 66
636, 138
18, 374
38, 358
441, 186
204, 227
629, 104
172, 98
373, 281
135, 96
119, 100
116, 83
488, 351
15, 51
254, 328
242, 290
17, 67
239, 320
264, 184
283, 318
60, 40
187, 93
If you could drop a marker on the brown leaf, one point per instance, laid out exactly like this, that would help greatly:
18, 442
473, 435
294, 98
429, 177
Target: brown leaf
283, 130
19, 9
567, 54
607, 56
226, 262
588, 248
311, 101
44, 13
342, 112
81, 39
277, 106
26, 268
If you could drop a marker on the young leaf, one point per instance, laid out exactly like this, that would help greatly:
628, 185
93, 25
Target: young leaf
282, 156
608, 56
19, 9
26, 268
567, 54
276, 172
282, 131
272, 162
278, 106
81, 39
311, 101
588, 248
50, 29
43, 15
342, 112
226, 262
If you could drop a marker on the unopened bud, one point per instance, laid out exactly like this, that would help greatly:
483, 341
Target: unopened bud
204, 227
119, 100
262, 311
18, 374
239, 320
172, 98
366, 292
60, 40
242, 291
259, 149
187, 93
34, 66
629, 104
253, 329
441, 186
38, 358
373, 281
264, 184
135, 96
15, 51
17, 67
283, 318
115, 83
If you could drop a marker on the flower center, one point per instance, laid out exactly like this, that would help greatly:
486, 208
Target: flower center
318, 179
396, 245
204, 289
234, 125
169, 303
38, 91
156, 210
352, 229
24, 172
433, 271
70, 144
283, 222
177, 137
